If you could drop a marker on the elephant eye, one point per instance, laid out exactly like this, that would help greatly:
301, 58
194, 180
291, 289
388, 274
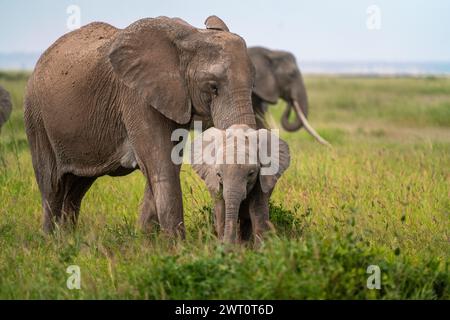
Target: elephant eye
251, 173
213, 88
210, 88
292, 74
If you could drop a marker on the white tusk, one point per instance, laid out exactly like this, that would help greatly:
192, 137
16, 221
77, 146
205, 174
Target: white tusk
308, 127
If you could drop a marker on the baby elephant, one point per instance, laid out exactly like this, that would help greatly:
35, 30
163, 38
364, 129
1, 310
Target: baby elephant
240, 167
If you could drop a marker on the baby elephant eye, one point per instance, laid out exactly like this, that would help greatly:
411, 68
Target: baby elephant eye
219, 174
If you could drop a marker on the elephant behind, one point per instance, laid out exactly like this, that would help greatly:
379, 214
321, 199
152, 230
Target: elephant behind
5, 106
105, 101
278, 76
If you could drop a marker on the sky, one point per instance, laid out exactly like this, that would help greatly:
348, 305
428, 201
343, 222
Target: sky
320, 30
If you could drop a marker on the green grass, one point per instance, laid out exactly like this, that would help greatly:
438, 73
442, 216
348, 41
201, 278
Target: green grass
379, 197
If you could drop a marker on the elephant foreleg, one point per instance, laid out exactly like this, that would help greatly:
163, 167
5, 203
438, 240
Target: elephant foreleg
168, 202
151, 142
149, 216
259, 214
219, 217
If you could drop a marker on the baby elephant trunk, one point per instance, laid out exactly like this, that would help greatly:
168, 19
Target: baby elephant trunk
233, 201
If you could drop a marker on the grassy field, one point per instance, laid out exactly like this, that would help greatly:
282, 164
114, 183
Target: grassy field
379, 197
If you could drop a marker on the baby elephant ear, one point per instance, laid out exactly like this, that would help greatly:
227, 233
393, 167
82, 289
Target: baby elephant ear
204, 155
274, 157
145, 57
214, 22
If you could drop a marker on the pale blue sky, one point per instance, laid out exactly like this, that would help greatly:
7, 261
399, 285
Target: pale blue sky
321, 30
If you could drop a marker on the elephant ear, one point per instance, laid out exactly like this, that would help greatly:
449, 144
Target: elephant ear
274, 157
214, 22
204, 155
145, 57
266, 86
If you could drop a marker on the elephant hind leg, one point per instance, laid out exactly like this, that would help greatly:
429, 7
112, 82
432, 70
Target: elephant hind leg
46, 172
61, 194
62, 204
74, 190
52, 205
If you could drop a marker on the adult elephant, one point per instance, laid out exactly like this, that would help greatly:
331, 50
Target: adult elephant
278, 76
105, 101
5, 106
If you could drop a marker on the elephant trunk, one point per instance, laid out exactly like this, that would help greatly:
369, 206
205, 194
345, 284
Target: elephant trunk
290, 126
239, 110
232, 203
298, 93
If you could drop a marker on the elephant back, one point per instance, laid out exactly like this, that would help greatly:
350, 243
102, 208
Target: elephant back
72, 59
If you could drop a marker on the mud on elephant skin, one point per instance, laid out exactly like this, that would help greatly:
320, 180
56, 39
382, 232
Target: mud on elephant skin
278, 76
105, 101
240, 188
5, 106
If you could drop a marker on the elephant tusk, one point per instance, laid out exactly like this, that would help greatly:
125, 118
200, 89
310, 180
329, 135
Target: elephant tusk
308, 127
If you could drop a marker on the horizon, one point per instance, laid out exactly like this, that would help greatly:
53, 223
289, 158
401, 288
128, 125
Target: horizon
22, 61
325, 32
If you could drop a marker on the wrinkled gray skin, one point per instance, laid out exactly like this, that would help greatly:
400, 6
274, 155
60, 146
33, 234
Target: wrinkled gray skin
5, 106
241, 193
105, 101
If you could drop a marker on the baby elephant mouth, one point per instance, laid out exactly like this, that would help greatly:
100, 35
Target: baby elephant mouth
258, 159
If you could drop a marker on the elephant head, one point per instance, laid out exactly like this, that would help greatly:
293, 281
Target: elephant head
184, 72
278, 76
5, 106
237, 164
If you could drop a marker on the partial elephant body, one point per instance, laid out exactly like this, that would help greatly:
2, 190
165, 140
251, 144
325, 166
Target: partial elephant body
278, 76
5, 106
105, 101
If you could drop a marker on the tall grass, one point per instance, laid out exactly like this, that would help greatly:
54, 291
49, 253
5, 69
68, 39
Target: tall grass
380, 197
